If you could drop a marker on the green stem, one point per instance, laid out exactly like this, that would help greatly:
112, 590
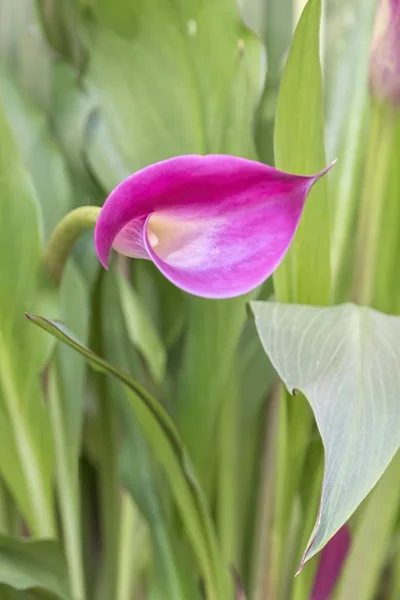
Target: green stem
64, 237
132, 541
268, 543
109, 486
107, 465
372, 202
67, 489
228, 485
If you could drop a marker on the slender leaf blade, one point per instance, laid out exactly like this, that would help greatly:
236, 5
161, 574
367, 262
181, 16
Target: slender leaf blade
304, 275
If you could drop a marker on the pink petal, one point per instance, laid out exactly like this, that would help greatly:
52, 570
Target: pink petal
331, 563
216, 226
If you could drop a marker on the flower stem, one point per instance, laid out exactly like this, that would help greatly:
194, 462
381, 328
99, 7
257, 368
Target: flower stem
133, 548
64, 237
109, 484
108, 476
268, 543
380, 145
227, 481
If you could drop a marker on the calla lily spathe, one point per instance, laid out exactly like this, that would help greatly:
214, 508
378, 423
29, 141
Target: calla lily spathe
217, 226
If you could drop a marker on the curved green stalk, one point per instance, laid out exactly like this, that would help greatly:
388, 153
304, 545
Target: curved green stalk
64, 237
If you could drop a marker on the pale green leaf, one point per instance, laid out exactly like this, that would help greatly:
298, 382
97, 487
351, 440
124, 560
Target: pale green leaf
26, 564
345, 360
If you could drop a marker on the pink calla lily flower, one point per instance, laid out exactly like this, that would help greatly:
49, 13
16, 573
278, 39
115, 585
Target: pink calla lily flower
217, 226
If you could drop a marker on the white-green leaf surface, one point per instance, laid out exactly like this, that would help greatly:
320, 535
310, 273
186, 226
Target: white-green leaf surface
346, 361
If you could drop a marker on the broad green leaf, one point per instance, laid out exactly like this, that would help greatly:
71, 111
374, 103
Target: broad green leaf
141, 330
345, 361
39, 151
26, 564
26, 462
167, 446
304, 275
167, 77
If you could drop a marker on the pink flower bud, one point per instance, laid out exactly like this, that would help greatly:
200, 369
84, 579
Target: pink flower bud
384, 69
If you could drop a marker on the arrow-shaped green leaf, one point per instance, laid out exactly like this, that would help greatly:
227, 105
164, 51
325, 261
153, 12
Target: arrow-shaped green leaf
345, 360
